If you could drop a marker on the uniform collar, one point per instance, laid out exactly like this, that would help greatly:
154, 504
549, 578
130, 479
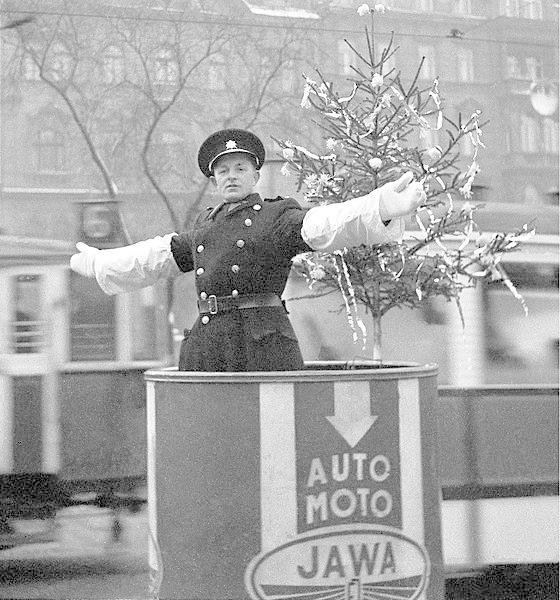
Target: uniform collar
253, 198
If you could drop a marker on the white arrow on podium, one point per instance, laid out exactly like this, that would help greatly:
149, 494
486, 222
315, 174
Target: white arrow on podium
352, 417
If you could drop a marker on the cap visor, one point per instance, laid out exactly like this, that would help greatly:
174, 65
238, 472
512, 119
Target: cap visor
232, 151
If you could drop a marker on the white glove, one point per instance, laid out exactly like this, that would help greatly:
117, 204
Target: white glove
84, 262
362, 220
401, 197
127, 268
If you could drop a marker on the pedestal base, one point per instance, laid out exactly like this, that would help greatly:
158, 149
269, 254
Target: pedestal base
309, 484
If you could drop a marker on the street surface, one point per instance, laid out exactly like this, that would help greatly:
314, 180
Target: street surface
83, 562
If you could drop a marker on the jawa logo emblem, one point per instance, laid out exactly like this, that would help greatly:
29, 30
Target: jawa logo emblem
341, 563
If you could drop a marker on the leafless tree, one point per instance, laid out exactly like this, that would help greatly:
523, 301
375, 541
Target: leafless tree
137, 83
166, 61
65, 52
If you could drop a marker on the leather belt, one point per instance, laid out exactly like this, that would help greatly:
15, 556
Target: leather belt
217, 304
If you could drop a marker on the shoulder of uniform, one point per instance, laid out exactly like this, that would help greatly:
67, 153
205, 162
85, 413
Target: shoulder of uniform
282, 200
205, 212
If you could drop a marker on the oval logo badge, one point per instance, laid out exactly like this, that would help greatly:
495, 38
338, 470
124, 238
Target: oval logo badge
341, 563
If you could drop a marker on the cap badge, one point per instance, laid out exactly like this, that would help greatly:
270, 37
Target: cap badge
231, 144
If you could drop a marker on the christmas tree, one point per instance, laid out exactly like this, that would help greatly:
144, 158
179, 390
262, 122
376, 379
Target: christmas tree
373, 132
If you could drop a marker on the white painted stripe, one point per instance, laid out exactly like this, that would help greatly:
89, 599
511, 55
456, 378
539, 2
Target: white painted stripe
352, 413
278, 465
508, 531
351, 398
51, 460
411, 462
151, 474
6, 426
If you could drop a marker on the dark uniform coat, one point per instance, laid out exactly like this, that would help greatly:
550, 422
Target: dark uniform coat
244, 250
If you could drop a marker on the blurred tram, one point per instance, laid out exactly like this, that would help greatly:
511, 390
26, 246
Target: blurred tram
73, 430
72, 426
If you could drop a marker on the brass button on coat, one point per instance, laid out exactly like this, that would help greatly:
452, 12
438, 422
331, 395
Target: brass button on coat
235, 268
234, 293
248, 222
203, 295
240, 243
200, 271
205, 319
200, 248
257, 207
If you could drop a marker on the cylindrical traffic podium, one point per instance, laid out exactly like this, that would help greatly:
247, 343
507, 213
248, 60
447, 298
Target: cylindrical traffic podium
311, 484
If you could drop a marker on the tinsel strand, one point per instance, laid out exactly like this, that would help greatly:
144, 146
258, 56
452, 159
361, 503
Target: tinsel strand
349, 297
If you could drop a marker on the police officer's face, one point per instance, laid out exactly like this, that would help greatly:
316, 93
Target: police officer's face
235, 176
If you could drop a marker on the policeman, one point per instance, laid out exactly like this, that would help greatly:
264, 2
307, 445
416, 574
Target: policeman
241, 253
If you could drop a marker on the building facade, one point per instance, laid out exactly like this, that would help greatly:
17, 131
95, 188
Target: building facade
90, 121
102, 110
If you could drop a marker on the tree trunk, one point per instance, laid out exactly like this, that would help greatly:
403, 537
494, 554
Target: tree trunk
377, 339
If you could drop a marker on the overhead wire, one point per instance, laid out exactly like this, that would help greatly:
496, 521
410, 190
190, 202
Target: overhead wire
263, 25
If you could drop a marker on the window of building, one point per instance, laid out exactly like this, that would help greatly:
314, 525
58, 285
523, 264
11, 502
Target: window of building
513, 69
531, 9
113, 65
465, 64
531, 195
445, 7
508, 146
50, 148
462, 8
529, 134
550, 136
428, 53
529, 68
288, 77
426, 5
28, 326
168, 155
402, 5
345, 58
29, 68
509, 8
527, 9
165, 67
217, 72
533, 68
59, 63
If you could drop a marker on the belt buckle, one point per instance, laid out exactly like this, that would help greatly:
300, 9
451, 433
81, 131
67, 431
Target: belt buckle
212, 304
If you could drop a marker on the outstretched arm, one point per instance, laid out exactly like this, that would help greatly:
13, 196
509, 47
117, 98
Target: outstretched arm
127, 268
376, 218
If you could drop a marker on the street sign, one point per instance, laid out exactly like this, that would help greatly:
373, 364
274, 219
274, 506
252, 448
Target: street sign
333, 522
